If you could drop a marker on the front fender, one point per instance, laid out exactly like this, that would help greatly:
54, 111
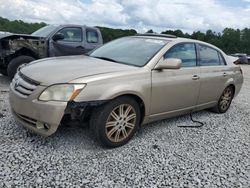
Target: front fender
123, 90
112, 89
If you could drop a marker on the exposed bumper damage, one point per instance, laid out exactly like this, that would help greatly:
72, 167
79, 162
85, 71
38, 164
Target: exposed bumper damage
75, 105
81, 111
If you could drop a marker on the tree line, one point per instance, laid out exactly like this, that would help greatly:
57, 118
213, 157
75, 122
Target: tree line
229, 40
18, 26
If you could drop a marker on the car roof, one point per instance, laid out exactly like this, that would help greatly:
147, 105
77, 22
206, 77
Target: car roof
239, 54
72, 25
174, 38
167, 37
156, 35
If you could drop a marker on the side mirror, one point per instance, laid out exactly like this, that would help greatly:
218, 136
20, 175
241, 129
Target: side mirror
58, 36
169, 63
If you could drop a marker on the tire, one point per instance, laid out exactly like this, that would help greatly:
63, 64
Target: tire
224, 101
16, 63
109, 127
3, 72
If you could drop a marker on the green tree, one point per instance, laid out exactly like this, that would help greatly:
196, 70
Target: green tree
109, 34
177, 33
150, 31
18, 26
198, 36
245, 40
231, 40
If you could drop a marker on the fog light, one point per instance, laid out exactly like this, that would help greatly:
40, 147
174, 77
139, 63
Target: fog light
39, 125
46, 126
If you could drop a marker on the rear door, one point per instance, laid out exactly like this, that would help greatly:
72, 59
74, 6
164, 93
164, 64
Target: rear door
93, 39
176, 90
214, 74
70, 45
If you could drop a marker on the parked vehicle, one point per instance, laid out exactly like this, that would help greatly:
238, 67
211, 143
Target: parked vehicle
243, 58
49, 41
125, 83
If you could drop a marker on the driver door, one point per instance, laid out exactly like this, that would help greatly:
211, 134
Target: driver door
70, 45
176, 90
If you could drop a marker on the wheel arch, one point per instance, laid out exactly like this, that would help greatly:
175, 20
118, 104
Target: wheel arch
23, 51
231, 83
138, 99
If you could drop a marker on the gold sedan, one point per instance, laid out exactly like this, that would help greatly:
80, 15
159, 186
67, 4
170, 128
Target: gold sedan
125, 83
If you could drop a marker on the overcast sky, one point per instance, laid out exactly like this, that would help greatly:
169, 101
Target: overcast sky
142, 15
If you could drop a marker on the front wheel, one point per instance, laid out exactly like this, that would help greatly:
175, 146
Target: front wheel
115, 123
225, 100
16, 63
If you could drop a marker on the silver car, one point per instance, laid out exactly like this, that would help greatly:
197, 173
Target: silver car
123, 84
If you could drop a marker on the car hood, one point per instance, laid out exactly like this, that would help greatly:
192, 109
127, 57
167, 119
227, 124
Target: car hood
65, 69
16, 36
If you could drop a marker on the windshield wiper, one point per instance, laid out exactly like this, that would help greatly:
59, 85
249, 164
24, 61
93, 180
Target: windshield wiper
105, 58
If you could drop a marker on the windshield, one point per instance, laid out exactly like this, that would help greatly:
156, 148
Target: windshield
44, 31
134, 51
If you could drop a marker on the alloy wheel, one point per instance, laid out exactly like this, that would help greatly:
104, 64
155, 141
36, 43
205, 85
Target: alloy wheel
120, 123
226, 99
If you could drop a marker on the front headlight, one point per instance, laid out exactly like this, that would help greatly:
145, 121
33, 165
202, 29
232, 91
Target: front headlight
61, 92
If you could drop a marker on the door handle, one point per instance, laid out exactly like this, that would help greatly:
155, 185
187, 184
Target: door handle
224, 74
195, 77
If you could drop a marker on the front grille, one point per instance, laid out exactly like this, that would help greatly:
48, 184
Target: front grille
23, 85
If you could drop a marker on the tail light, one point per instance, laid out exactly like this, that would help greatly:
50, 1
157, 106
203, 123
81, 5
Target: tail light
237, 62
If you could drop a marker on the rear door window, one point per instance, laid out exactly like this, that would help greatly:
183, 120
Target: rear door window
185, 51
92, 36
209, 56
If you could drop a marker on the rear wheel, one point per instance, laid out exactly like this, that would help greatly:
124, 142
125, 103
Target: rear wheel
115, 123
15, 64
225, 100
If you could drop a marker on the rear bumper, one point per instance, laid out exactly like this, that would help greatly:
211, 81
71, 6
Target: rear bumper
41, 117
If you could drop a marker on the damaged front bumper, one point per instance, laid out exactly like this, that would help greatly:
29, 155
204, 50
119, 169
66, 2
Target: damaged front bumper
44, 118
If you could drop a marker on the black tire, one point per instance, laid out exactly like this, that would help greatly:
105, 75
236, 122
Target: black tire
220, 107
101, 115
17, 62
3, 72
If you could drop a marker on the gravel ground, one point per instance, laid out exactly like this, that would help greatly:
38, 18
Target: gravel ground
160, 155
